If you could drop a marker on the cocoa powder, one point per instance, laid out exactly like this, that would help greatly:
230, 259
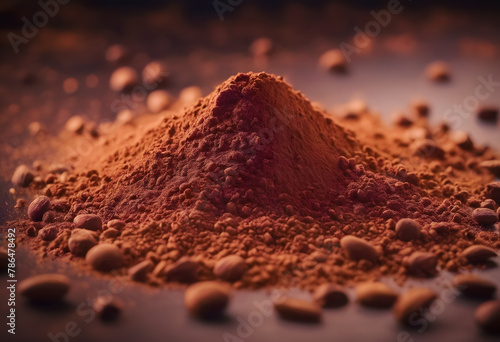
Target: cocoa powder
254, 171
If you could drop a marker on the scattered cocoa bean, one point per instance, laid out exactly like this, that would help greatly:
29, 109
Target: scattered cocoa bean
155, 74
485, 216
359, 249
407, 229
123, 79
110, 233
421, 264
22, 176
45, 288
140, 271
230, 268
299, 310
493, 166
487, 316
107, 308
38, 207
334, 61
75, 124
462, 140
330, 296
375, 295
80, 241
88, 221
48, 233
489, 203
183, 270
116, 53
158, 101
190, 95
421, 108
411, 305
207, 300
478, 254
104, 257
261, 47
438, 72
488, 114
474, 286
116, 224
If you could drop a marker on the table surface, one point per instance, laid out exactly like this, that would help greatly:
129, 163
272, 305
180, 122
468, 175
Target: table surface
386, 81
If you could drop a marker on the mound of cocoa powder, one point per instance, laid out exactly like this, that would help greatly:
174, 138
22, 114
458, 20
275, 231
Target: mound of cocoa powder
254, 170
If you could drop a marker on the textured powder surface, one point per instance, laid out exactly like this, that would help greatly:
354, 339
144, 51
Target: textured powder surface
255, 170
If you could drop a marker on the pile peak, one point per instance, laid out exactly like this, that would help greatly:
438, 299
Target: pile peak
252, 141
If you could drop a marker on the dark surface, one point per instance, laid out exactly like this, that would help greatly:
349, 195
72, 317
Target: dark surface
199, 54
159, 315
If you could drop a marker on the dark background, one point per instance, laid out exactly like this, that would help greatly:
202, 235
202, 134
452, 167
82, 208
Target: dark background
205, 7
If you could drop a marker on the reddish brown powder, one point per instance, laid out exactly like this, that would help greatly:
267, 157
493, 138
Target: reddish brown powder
254, 170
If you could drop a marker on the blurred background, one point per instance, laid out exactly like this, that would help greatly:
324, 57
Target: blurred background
55, 55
